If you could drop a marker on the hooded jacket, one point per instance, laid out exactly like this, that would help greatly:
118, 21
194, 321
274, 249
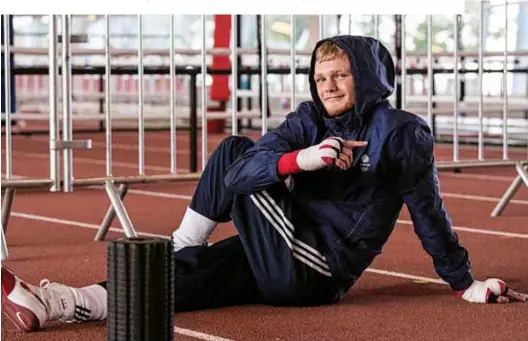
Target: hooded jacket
356, 210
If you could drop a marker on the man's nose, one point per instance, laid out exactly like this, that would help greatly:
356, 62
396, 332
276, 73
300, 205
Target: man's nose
330, 85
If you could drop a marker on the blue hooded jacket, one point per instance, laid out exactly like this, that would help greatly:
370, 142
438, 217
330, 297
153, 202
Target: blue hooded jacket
356, 210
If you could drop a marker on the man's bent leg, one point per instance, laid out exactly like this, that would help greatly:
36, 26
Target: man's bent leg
211, 202
283, 249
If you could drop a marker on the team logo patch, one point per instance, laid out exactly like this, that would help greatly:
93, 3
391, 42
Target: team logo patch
364, 163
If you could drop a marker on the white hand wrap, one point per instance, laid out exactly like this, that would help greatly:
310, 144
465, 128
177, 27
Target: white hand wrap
485, 292
320, 155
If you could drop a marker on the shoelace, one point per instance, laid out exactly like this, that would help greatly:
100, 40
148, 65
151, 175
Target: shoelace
52, 301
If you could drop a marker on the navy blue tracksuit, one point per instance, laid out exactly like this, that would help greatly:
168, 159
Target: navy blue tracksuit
307, 245
270, 261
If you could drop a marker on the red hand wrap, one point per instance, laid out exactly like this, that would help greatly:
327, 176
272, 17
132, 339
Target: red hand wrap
288, 164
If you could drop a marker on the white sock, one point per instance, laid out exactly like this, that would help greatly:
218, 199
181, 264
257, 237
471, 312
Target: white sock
194, 230
90, 303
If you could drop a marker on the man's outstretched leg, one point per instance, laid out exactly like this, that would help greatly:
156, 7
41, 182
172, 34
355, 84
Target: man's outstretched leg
30, 307
206, 277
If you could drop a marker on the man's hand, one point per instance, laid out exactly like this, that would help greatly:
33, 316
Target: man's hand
345, 157
332, 150
492, 290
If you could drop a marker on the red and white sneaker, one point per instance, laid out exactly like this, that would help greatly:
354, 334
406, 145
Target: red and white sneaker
30, 307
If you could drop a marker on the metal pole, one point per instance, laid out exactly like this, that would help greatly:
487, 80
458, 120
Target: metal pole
108, 115
141, 127
172, 98
7, 77
264, 73
9, 195
505, 87
193, 113
234, 75
430, 70
204, 95
66, 104
53, 104
456, 91
120, 210
512, 189
321, 28
376, 26
403, 64
292, 63
111, 213
481, 80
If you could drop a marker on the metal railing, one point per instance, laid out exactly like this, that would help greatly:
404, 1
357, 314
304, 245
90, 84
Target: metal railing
117, 186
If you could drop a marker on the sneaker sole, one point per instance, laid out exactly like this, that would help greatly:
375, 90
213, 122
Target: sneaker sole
23, 319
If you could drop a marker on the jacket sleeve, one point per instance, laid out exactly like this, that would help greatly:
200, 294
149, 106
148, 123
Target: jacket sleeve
412, 164
256, 169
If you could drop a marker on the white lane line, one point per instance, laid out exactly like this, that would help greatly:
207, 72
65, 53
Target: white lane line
407, 276
478, 176
481, 198
474, 230
199, 335
160, 194
76, 223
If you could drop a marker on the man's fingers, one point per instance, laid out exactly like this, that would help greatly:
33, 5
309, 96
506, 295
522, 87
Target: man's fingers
503, 299
352, 143
517, 295
340, 163
346, 158
347, 152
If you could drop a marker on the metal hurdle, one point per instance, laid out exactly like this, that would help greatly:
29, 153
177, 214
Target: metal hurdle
520, 165
117, 187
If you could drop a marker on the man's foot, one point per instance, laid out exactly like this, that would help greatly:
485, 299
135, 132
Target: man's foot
30, 307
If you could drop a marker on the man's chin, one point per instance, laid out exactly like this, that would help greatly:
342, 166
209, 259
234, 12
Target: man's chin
334, 112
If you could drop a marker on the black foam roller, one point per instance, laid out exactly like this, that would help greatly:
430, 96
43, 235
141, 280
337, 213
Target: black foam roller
140, 288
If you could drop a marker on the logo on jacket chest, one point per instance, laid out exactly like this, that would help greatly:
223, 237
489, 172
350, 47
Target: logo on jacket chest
364, 163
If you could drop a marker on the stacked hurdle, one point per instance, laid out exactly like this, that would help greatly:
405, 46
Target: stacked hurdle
61, 146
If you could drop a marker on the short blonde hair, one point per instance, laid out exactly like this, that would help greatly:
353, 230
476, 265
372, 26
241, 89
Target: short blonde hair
329, 51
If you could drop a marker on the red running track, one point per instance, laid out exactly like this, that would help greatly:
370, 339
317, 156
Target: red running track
50, 235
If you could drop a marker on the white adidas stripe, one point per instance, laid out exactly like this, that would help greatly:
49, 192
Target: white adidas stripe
287, 226
290, 225
291, 241
284, 227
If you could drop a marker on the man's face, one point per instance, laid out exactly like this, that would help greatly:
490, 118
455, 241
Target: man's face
335, 85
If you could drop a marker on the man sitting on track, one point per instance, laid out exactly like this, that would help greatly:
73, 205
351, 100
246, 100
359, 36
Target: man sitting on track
313, 202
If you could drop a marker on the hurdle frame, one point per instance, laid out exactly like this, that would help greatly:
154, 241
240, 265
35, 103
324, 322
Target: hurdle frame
117, 187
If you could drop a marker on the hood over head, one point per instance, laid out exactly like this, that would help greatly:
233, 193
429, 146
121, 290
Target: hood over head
373, 70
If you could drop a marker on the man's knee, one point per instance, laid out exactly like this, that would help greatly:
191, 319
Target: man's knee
235, 145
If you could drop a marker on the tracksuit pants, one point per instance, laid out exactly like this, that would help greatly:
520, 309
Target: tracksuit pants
273, 260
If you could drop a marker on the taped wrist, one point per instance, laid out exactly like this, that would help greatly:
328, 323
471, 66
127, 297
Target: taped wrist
288, 164
311, 158
484, 291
